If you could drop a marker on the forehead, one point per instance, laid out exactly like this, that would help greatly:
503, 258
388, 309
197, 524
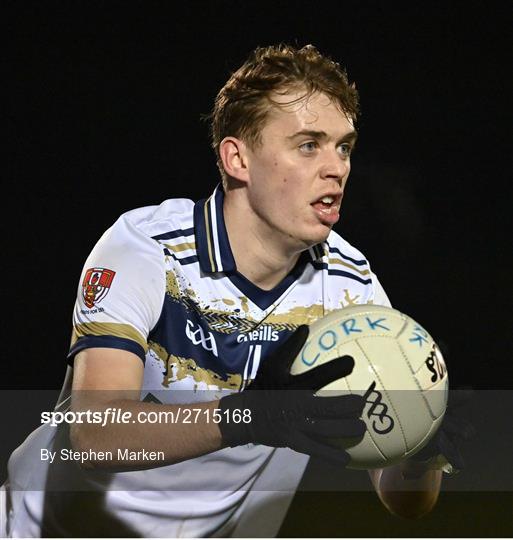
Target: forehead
294, 110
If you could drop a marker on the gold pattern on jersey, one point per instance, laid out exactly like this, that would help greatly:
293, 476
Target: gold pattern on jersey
108, 329
181, 247
244, 303
178, 368
228, 322
348, 300
172, 287
350, 266
299, 315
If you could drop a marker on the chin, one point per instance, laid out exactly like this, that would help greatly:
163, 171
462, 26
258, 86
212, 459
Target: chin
320, 234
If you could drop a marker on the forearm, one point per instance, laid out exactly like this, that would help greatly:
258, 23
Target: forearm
408, 490
181, 432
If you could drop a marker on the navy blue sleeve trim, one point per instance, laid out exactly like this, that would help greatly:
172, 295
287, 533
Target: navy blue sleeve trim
346, 257
110, 342
331, 272
350, 276
184, 260
174, 234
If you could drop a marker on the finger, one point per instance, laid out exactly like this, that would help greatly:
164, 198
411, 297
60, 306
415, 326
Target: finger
275, 370
322, 375
306, 445
341, 428
348, 406
287, 352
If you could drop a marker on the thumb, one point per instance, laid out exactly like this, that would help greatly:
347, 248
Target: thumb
287, 352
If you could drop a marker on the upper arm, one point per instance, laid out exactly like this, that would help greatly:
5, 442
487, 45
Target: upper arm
120, 296
107, 369
101, 375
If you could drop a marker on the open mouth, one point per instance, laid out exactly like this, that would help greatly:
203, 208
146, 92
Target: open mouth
327, 209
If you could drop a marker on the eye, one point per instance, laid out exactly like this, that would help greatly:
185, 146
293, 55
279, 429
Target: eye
308, 147
345, 149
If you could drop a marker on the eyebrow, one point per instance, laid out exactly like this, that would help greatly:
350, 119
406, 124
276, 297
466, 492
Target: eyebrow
318, 135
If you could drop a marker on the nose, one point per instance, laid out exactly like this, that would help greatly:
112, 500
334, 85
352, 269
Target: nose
335, 167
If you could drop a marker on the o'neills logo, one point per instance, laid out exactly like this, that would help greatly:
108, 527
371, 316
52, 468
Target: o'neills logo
266, 333
96, 285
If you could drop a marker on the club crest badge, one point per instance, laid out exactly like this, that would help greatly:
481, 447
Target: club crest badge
96, 285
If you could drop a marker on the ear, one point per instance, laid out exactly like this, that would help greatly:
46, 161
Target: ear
234, 156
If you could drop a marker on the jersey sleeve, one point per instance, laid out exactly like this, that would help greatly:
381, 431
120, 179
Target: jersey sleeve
120, 293
380, 297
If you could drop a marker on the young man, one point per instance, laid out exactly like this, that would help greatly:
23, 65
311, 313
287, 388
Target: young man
182, 309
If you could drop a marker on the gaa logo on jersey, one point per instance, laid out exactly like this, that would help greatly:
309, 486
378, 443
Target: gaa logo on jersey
96, 285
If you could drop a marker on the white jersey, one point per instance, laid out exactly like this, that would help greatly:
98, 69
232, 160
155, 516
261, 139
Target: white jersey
162, 283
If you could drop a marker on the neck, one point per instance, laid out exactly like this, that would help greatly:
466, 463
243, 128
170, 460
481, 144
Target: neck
259, 254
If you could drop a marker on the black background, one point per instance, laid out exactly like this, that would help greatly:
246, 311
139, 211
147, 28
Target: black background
102, 110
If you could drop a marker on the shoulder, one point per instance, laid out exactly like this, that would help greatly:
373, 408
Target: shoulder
149, 224
349, 262
341, 247
153, 221
344, 260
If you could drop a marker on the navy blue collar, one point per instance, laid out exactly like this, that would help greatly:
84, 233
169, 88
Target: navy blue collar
212, 244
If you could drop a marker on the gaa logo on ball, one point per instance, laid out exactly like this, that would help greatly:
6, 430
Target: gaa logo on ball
398, 369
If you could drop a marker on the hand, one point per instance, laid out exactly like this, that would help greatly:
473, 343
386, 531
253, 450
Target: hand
285, 411
443, 450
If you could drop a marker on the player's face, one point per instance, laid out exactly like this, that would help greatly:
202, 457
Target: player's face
299, 171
